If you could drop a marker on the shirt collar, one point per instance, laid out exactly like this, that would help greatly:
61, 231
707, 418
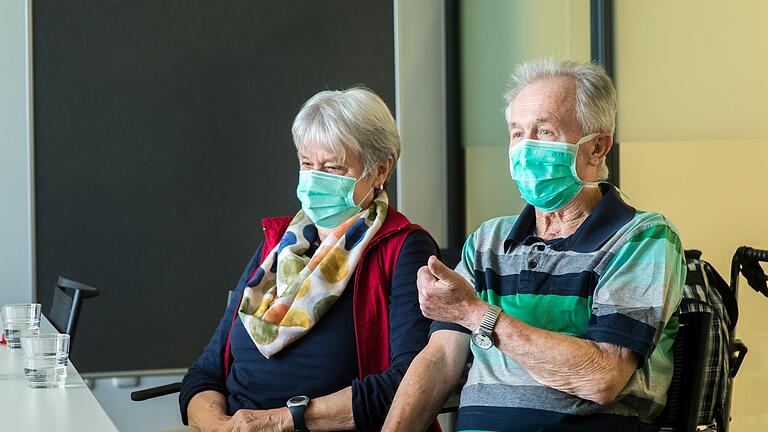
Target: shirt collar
610, 214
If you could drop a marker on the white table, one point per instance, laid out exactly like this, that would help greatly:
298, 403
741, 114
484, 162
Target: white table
72, 408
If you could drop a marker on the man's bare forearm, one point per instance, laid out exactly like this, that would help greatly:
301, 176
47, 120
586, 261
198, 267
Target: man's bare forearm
207, 410
589, 370
430, 380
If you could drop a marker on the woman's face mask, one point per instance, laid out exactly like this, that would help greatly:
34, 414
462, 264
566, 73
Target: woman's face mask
545, 172
327, 199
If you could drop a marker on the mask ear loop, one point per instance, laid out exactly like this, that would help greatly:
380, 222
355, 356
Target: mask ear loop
351, 197
621, 192
581, 141
364, 198
597, 183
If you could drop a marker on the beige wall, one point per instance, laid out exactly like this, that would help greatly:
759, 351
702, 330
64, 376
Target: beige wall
420, 112
495, 36
694, 134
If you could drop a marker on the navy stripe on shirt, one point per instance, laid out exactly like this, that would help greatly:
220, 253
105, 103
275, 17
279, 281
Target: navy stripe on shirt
504, 419
619, 329
580, 284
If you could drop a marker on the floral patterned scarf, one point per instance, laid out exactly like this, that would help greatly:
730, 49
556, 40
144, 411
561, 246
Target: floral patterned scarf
300, 280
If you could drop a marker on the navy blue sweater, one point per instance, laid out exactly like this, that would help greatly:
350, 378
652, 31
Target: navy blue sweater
324, 360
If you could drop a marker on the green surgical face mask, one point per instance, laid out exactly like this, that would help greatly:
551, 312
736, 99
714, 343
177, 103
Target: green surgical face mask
545, 172
327, 199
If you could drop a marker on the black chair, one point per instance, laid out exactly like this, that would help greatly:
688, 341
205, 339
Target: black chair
686, 391
68, 296
150, 393
451, 257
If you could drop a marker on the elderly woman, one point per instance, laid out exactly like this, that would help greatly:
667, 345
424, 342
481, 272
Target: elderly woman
325, 319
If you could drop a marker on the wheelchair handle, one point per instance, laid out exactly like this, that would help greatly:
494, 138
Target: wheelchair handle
752, 253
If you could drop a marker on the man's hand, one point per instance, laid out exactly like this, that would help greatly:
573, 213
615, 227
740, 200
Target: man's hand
445, 295
274, 420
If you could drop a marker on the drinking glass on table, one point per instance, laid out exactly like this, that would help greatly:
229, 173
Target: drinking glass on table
45, 359
20, 319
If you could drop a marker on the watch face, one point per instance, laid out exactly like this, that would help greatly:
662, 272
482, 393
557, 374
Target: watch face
298, 400
482, 340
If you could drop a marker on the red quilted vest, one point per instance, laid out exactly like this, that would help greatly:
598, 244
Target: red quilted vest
371, 288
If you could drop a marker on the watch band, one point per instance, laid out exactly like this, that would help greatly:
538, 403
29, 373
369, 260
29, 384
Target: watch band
490, 318
297, 406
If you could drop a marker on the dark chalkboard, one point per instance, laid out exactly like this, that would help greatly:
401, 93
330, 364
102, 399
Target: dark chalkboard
162, 136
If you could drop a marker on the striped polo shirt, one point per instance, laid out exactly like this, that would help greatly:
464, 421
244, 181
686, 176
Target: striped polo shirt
617, 279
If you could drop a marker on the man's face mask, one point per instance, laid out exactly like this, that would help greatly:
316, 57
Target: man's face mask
327, 199
545, 172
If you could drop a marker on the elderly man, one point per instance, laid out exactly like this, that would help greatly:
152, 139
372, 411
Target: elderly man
568, 307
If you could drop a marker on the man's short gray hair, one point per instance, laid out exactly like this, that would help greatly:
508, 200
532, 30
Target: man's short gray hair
355, 119
595, 94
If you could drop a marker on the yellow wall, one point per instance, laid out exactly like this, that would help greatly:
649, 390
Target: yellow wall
693, 127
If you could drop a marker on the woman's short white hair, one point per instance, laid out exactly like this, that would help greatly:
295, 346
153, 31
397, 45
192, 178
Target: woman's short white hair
355, 119
596, 101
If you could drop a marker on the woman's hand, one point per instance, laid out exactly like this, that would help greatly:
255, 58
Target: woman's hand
274, 420
208, 411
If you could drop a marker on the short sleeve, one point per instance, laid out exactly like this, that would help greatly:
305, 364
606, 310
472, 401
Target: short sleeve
639, 290
466, 269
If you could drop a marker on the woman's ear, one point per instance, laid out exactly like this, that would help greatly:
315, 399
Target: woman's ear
382, 172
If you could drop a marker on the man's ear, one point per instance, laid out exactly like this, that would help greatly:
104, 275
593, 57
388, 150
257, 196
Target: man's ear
603, 145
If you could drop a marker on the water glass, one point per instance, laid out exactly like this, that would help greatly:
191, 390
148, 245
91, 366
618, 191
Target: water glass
45, 359
22, 319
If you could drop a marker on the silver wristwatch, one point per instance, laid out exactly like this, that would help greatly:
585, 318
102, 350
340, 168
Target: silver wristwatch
297, 405
483, 336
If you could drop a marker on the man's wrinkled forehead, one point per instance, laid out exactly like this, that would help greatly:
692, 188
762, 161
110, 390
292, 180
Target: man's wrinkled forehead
551, 99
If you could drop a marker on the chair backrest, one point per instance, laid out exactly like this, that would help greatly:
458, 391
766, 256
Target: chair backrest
687, 388
68, 296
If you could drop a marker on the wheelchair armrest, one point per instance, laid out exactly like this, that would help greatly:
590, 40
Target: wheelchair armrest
154, 392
